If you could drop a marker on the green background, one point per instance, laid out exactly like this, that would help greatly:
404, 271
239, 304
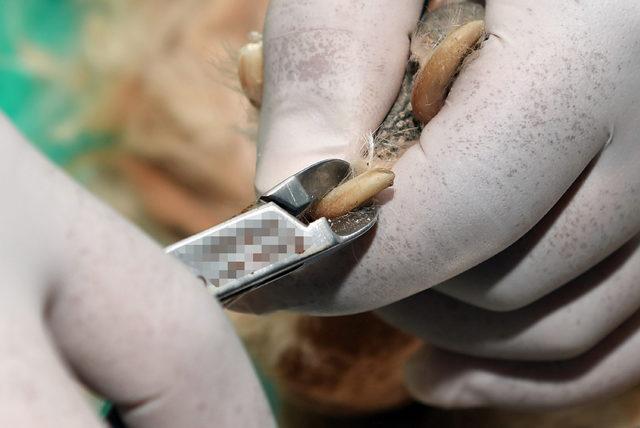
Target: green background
33, 104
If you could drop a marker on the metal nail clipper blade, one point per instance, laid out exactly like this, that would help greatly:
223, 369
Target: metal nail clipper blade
272, 238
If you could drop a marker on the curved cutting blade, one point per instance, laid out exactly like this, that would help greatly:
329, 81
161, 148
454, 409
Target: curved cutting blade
298, 192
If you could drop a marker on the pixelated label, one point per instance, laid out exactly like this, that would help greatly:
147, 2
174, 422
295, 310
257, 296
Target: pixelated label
246, 246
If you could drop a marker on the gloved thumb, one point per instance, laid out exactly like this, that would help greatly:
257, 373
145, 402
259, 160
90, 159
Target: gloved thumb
332, 70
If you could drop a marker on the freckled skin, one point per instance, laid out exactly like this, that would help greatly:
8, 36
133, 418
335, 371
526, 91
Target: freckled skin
566, 323
325, 68
85, 292
522, 184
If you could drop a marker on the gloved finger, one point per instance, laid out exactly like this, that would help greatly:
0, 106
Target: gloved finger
36, 389
454, 380
143, 332
596, 217
132, 322
562, 325
332, 70
489, 166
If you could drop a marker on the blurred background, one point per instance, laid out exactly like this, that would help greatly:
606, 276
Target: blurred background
140, 102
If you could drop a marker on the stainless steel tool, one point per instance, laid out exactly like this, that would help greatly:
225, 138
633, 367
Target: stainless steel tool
272, 239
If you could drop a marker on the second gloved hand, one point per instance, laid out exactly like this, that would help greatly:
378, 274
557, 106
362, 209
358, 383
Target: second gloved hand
520, 203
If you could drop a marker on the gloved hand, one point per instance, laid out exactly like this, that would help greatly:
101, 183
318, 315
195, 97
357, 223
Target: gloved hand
520, 202
84, 294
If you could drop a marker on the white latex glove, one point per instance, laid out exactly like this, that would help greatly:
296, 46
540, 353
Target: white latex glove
86, 296
530, 173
